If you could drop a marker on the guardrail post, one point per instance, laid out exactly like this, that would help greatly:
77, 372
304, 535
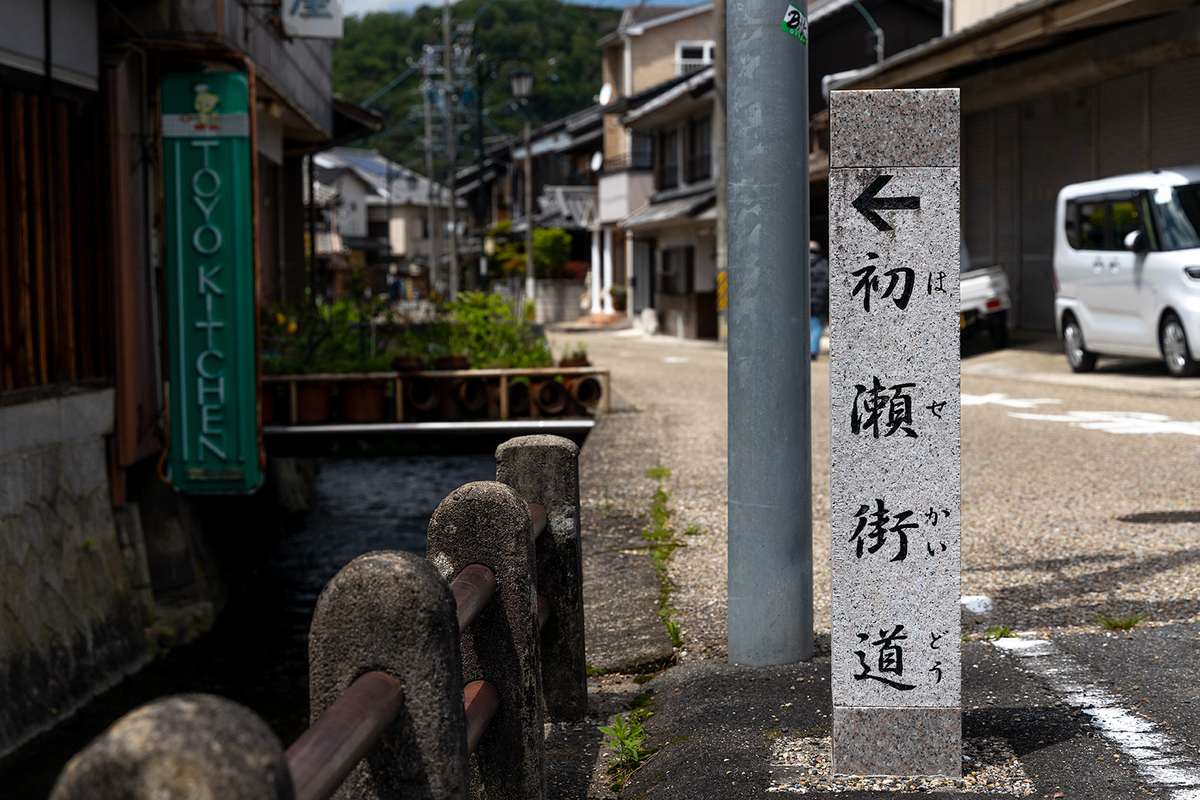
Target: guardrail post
487, 523
390, 611
545, 470
190, 745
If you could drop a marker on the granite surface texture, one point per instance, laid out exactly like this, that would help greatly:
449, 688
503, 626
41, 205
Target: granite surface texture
894, 127
897, 741
895, 445
894, 378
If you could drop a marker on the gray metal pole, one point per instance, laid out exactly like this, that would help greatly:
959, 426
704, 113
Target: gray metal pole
448, 85
530, 286
770, 446
718, 118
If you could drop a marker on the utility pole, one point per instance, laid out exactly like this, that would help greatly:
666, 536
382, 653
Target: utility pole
530, 287
434, 246
770, 427
451, 104
722, 172
480, 206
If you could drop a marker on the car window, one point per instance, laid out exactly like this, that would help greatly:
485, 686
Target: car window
1126, 218
1177, 212
1091, 226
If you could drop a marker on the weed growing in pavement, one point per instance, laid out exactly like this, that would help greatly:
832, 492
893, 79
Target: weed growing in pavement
606, 505
627, 743
593, 671
674, 631
1114, 623
691, 530
660, 533
998, 632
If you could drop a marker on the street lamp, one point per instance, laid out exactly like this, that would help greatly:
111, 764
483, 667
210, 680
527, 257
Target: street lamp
522, 87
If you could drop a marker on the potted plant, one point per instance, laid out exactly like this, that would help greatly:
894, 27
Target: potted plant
293, 344
575, 356
618, 293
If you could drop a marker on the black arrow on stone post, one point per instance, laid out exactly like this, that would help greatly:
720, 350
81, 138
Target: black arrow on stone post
867, 203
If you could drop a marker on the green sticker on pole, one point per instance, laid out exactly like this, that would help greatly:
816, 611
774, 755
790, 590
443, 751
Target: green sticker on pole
210, 282
796, 24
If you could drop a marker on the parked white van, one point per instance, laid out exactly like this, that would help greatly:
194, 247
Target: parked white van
1127, 269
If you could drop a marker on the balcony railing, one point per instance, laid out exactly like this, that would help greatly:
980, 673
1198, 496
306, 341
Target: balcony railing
629, 161
686, 66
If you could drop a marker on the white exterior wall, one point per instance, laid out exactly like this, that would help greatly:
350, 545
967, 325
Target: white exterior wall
965, 13
622, 193
352, 215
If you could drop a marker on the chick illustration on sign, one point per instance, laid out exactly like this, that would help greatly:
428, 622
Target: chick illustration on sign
205, 105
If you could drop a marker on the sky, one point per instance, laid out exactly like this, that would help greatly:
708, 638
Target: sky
353, 7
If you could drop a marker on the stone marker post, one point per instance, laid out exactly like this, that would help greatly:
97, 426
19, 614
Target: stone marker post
894, 431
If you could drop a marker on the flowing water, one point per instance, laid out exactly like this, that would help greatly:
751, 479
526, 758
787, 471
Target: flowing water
257, 652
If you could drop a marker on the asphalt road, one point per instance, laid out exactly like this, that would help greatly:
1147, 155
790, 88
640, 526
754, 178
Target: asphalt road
1080, 501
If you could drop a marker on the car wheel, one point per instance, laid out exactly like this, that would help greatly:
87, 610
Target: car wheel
1078, 356
998, 329
1174, 344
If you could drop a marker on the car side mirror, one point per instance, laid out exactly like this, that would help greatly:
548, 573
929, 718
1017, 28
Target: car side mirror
1135, 242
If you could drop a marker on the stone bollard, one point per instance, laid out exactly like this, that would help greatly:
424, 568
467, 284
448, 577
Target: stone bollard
487, 523
390, 611
186, 747
545, 470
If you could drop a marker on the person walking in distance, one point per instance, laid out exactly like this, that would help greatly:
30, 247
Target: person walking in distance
818, 287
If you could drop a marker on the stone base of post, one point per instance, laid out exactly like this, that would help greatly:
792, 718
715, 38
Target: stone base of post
897, 741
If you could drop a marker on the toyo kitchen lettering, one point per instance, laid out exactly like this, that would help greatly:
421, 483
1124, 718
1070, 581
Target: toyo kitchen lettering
210, 368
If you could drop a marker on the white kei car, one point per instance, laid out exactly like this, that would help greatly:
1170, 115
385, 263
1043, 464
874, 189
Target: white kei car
1127, 269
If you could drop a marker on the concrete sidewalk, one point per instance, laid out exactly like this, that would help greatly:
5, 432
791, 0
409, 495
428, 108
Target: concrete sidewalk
1094, 715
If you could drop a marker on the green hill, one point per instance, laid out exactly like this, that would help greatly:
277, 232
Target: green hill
554, 40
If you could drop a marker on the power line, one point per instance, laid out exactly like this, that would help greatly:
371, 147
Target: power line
392, 84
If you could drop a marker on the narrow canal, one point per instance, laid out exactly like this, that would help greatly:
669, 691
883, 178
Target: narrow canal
257, 653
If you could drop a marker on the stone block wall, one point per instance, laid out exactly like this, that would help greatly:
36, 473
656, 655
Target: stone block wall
70, 625
560, 300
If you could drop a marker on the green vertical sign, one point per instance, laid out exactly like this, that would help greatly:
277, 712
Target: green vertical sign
210, 282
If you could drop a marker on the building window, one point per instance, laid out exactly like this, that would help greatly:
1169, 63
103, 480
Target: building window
668, 159
676, 270
643, 150
424, 227
54, 274
699, 150
692, 56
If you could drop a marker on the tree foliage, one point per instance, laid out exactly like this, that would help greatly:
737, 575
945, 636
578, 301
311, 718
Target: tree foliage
554, 40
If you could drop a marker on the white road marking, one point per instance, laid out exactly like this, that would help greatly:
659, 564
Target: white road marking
977, 603
1136, 422
1156, 754
675, 360
1000, 399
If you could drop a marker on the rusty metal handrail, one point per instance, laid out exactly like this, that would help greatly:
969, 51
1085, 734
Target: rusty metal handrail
472, 590
480, 701
329, 750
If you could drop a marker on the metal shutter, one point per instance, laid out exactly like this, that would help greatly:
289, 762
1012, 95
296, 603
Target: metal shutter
1056, 150
1121, 128
1007, 121
1175, 114
978, 198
